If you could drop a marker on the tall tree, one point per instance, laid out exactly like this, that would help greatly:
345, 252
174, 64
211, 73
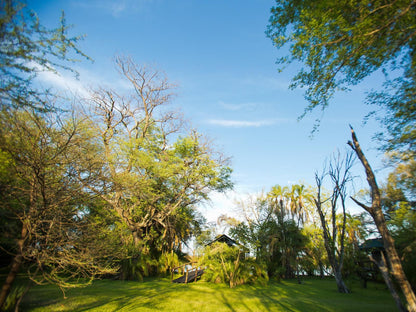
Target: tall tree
334, 231
152, 177
257, 231
376, 212
41, 195
339, 43
270, 232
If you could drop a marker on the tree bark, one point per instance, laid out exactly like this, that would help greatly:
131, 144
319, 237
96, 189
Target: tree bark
342, 288
382, 266
377, 214
329, 243
17, 261
321, 269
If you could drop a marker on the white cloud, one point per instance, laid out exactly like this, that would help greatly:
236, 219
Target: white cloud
241, 123
237, 107
63, 82
225, 204
87, 81
115, 8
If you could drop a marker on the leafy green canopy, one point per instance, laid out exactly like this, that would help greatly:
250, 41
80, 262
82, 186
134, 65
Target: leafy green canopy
151, 170
342, 42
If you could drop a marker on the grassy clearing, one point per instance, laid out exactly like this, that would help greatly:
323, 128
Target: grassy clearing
161, 295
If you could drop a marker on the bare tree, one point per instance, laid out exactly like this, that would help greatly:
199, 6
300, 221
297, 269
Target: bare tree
375, 210
334, 233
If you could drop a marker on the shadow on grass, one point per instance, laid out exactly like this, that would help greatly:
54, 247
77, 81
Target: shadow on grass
226, 302
106, 294
161, 295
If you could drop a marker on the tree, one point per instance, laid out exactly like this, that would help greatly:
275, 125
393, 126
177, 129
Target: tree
375, 210
340, 43
271, 233
151, 175
28, 48
53, 233
399, 206
316, 258
299, 198
287, 205
334, 231
355, 234
402, 226
256, 232
401, 182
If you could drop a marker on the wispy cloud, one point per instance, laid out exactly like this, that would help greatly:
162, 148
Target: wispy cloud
267, 83
241, 123
63, 82
238, 107
115, 8
87, 81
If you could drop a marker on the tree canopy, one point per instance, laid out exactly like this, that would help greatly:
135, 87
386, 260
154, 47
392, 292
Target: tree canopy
339, 43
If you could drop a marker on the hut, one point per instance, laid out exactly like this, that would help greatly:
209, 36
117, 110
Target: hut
225, 239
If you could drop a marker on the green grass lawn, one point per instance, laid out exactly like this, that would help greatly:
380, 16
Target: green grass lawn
161, 295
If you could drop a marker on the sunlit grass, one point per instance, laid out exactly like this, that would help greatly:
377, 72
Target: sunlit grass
161, 295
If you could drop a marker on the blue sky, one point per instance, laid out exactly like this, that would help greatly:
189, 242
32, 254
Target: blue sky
229, 88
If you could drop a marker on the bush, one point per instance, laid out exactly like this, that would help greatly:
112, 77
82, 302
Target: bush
167, 262
224, 264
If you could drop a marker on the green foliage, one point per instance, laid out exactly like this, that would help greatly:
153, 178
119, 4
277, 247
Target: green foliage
28, 48
316, 258
401, 182
403, 228
355, 234
399, 207
167, 262
12, 299
399, 102
49, 212
152, 172
225, 264
138, 267
271, 232
339, 43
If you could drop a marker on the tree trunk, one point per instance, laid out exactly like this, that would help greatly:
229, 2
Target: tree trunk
380, 261
7, 286
336, 265
377, 214
298, 271
17, 261
396, 265
321, 269
342, 288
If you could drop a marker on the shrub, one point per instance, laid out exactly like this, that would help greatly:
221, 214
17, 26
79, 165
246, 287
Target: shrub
224, 264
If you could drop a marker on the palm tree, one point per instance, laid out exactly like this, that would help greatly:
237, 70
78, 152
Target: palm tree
299, 199
278, 197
